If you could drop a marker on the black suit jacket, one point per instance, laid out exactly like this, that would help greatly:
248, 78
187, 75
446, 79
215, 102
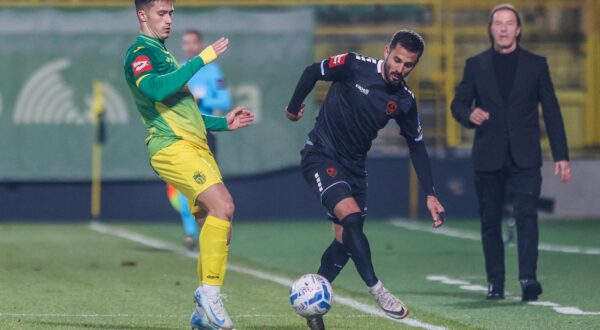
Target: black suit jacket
513, 128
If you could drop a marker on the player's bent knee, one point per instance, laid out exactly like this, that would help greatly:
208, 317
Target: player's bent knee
228, 210
346, 207
223, 210
353, 221
200, 216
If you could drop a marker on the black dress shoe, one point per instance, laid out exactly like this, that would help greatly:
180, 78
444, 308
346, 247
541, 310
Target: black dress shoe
495, 292
531, 289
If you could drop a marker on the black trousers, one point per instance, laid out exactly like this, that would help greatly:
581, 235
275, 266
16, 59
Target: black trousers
522, 186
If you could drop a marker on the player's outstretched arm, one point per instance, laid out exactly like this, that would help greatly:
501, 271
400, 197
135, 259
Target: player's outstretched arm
213, 51
295, 109
336, 68
238, 118
437, 211
220, 46
422, 165
159, 87
295, 117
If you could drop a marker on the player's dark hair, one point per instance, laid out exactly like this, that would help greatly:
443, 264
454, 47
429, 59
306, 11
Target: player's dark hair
409, 40
139, 4
504, 6
195, 32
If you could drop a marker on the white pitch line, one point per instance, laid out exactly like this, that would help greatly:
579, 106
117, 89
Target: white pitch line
91, 315
568, 310
158, 244
158, 316
469, 235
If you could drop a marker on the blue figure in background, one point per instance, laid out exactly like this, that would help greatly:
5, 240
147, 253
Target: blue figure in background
210, 92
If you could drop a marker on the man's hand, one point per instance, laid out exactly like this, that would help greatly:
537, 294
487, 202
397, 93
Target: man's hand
296, 117
563, 168
238, 118
220, 46
478, 116
437, 211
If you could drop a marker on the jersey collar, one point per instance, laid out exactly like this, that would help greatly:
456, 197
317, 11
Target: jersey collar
379, 66
151, 40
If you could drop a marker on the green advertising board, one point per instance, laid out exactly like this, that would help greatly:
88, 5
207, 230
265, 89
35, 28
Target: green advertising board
50, 59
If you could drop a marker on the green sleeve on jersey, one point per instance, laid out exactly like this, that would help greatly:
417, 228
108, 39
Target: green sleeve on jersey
159, 87
215, 123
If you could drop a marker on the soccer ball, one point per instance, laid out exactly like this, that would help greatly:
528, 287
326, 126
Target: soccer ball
311, 295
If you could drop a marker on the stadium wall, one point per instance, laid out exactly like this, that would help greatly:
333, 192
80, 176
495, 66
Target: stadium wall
283, 194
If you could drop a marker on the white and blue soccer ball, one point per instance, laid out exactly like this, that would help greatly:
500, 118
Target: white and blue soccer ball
311, 295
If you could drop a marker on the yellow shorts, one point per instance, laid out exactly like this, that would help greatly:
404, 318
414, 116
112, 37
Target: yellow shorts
189, 168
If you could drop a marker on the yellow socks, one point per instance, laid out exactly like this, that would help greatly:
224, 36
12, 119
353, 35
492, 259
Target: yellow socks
213, 251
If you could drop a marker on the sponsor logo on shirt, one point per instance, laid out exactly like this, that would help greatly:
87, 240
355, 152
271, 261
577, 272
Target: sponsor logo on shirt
337, 60
362, 89
141, 64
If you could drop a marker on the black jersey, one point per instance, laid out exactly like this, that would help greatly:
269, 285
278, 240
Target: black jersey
359, 104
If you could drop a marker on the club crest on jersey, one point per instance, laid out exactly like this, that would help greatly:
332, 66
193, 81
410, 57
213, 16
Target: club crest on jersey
141, 64
337, 60
199, 177
391, 108
332, 172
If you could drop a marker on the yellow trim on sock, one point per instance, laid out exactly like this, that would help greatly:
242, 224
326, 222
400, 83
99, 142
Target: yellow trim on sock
217, 222
208, 55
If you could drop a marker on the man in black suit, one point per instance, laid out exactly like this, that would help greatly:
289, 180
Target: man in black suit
499, 97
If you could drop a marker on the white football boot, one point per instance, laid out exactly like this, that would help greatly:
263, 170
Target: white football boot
199, 321
391, 305
212, 304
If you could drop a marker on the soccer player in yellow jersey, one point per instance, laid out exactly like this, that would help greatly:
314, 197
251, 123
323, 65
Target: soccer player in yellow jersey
178, 149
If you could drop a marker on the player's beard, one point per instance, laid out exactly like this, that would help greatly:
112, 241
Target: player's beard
387, 74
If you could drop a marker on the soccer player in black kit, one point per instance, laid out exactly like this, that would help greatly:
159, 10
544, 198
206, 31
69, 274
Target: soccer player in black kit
365, 94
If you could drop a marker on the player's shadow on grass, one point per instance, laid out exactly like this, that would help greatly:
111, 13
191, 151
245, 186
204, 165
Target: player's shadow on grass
65, 324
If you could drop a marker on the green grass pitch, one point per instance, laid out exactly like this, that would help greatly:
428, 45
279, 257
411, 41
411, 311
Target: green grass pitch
71, 277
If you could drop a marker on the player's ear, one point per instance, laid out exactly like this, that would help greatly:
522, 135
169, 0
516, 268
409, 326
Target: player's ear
386, 51
141, 14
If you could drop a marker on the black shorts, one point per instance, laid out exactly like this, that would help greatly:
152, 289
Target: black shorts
333, 182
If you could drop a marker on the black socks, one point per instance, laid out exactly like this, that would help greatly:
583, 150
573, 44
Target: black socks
356, 243
333, 260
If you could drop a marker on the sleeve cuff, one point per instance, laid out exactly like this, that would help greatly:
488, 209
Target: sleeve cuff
215, 123
208, 55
